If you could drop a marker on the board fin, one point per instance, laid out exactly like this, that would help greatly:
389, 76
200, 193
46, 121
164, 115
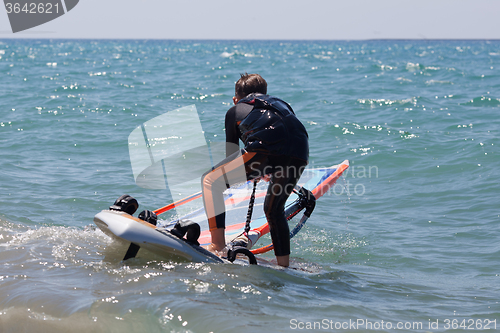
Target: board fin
132, 251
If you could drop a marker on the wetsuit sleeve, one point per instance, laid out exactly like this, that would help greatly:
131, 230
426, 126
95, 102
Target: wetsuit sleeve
232, 135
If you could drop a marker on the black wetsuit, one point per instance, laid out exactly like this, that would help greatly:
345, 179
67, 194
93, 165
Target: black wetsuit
276, 144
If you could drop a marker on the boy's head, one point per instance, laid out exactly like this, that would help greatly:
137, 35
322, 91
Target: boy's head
248, 84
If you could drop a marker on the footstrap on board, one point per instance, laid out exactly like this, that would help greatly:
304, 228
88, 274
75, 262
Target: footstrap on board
233, 252
189, 229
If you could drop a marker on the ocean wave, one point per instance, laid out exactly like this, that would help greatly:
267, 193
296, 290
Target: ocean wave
322, 56
412, 67
483, 101
53, 235
431, 82
383, 102
407, 135
226, 54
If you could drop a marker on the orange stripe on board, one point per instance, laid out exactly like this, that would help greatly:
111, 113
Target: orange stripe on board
327, 184
177, 203
263, 249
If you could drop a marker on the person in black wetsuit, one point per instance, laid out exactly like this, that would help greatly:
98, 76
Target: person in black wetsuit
276, 145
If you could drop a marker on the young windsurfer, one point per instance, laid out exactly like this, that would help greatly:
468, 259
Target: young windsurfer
276, 146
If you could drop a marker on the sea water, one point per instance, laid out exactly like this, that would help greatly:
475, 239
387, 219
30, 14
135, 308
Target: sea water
409, 240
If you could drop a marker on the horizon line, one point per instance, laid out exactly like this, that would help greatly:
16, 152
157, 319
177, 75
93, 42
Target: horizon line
250, 40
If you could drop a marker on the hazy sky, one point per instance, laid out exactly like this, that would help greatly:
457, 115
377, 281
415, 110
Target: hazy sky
271, 19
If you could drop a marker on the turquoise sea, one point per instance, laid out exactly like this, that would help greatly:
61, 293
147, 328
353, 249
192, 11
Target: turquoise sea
409, 242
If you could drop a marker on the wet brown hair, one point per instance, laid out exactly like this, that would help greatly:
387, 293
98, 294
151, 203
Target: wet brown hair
248, 84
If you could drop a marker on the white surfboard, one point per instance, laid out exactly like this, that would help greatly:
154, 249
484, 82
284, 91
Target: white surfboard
121, 225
